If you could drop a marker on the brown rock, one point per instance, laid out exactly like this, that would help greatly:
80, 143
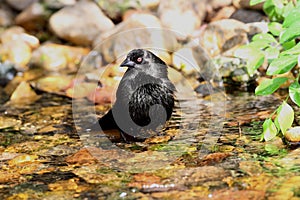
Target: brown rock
6, 15
140, 30
83, 156
81, 90
103, 95
55, 57
23, 93
17, 46
34, 17
223, 13
80, 23
217, 4
246, 5
182, 16
221, 36
293, 134
238, 194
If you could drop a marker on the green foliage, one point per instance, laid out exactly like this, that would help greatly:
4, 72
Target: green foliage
268, 86
280, 48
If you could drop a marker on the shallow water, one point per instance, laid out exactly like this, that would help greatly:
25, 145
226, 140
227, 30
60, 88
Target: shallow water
206, 152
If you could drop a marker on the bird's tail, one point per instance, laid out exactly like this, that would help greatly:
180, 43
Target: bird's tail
106, 122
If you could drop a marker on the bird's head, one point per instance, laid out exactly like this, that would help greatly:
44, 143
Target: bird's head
144, 60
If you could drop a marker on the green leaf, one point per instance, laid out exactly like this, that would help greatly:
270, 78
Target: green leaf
292, 32
282, 64
292, 51
259, 44
264, 36
288, 8
254, 57
292, 17
288, 45
254, 2
269, 130
268, 86
271, 53
294, 92
278, 3
275, 28
285, 117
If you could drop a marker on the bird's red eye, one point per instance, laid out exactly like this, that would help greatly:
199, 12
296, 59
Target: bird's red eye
139, 59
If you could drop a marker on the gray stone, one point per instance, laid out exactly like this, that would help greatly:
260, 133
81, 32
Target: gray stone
247, 16
20, 4
80, 23
6, 15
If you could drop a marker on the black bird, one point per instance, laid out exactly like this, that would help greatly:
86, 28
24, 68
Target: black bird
144, 99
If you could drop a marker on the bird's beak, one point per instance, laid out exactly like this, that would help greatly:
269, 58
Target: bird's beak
127, 63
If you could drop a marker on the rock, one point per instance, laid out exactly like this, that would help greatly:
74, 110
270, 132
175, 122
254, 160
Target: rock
140, 30
6, 16
81, 90
53, 84
83, 156
20, 4
18, 52
191, 61
7, 73
102, 95
34, 17
227, 65
217, 4
7, 122
55, 57
247, 16
114, 9
80, 23
24, 94
293, 134
246, 5
258, 27
199, 175
182, 16
149, 4
58, 4
232, 194
223, 13
17, 46
240, 75
221, 36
